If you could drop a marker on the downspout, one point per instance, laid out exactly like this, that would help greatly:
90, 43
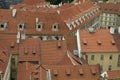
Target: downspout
78, 43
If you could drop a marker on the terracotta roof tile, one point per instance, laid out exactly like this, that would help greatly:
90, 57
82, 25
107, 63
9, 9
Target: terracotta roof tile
72, 72
92, 44
114, 74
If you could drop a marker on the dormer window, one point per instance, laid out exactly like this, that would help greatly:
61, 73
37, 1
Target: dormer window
21, 26
39, 26
3, 26
55, 27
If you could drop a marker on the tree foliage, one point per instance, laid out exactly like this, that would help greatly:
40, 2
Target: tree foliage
105, 0
55, 2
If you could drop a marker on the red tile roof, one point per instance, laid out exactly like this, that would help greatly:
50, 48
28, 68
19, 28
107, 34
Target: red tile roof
29, 50
110, 8
51, 54
26, 70
93, 39
72, 72
114, 74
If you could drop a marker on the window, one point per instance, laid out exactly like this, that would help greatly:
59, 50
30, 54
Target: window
2, 26
92, 57
39, 26
55, 27
13, 61
21, 26
102, 57
110, 57
109, 67
101, 67
119, 60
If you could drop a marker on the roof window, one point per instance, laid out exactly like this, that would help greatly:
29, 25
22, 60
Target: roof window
55, 27
3, 26
21, 26
39, 26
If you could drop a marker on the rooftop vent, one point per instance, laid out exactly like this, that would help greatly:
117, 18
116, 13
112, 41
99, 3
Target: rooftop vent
99, 42
1, 60
113, 42
93, 71
25, 50
55, 73
81, 72
68, 72
12, 45
84, 42
112, 30
14, 11
33, 51
59, 45
91, 30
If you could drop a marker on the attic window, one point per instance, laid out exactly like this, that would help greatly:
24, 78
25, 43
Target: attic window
55, 27
68, 72
2, 26
21, 26
55, 73
39, 26
81, 72
99, 42
113, 42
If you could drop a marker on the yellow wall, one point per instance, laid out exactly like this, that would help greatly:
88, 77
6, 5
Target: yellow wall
106, 61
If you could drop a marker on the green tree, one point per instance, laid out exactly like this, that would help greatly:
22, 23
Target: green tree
105, 0
55, 2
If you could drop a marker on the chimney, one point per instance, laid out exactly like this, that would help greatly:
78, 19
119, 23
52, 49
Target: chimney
112, 30
118, 30
14, 11
58, 11
37, 20
18, 37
